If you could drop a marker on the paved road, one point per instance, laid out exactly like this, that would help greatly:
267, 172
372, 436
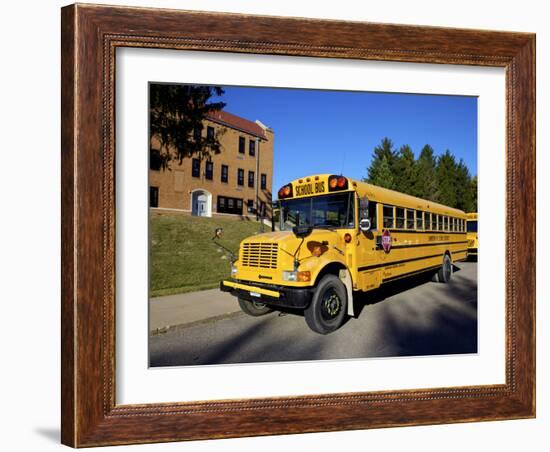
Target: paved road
410, 318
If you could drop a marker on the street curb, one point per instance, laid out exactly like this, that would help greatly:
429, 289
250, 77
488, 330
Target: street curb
180, 326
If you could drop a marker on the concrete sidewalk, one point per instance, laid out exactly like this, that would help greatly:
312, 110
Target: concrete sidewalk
180, 309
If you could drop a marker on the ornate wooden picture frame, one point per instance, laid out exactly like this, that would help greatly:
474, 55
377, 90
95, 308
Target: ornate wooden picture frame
90, 37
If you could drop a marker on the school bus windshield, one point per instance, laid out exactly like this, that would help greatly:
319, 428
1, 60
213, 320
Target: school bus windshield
332, 211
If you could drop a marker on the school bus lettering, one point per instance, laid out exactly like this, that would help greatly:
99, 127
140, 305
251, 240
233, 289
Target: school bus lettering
333, 240
310, 188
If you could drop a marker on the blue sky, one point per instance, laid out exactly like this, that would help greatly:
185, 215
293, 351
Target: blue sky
336, 131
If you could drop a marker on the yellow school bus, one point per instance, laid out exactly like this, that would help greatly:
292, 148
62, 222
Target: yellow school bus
471, 234
339, 236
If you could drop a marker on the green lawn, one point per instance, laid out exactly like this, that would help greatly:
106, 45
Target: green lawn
183, 256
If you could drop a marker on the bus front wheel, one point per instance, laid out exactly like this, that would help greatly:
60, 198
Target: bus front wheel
446, 271
254, 308
328, 307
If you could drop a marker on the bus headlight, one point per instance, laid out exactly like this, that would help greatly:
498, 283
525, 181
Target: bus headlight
290, 275
233, 270
296, 276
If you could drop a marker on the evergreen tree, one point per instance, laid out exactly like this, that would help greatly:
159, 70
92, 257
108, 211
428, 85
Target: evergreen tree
446, 179
439, 179
464, 194
405, 172
426, 184
384, 174
473, 193
380, 171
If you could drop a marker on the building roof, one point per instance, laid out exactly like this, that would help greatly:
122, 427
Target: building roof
236, 122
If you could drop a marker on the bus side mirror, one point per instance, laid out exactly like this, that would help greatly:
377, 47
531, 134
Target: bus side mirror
302, 231
364, 221
364, 225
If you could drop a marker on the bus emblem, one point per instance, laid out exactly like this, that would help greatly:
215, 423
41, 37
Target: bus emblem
386, 240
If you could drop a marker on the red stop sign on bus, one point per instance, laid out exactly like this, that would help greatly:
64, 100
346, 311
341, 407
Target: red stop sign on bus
386, 240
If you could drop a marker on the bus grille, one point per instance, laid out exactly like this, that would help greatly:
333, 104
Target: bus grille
261, 255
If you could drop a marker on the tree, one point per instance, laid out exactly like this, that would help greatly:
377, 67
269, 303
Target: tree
473, 192
446, 179
439, 179
405, 171
464, 194
176, 114
426, 183
380, 171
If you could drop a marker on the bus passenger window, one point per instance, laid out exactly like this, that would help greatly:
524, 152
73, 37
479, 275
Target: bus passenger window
388, 216
434, 221
445, 223
410, 219
439, 223
399, 218
419, 220
373, 217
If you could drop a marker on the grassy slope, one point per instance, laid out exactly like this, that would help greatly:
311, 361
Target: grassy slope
183, 256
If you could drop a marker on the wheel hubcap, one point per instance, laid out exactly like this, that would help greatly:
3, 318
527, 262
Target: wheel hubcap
331, 304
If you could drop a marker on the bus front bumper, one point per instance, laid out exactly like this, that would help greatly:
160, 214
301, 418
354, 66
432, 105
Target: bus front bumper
281, 296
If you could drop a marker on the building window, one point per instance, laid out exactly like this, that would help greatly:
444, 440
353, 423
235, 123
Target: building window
196, 169
210, 133
153, 196
240, 176
388, 216
241, 145
155, 161
263, 181
225, 173
209, 171
251, 179
230, 205
252, 148
197, 134
250, 206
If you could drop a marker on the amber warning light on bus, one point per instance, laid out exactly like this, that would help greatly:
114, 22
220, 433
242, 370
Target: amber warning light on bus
336, 183
285, 191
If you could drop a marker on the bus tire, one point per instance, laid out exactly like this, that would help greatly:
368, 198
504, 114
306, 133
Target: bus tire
328, 306
445, 273
254, 308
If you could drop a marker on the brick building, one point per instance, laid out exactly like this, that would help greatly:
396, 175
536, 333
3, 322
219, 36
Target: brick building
237, 181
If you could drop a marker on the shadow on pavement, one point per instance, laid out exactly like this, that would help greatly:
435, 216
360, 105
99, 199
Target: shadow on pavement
438, 319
